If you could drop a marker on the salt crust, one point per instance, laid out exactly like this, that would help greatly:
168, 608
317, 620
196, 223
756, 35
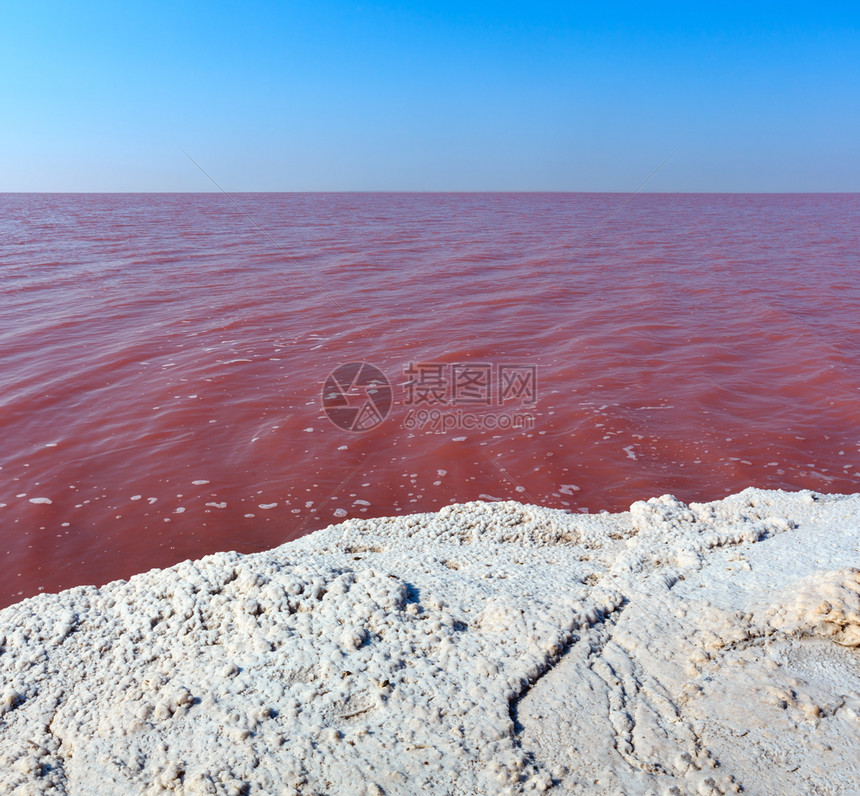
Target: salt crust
490, 648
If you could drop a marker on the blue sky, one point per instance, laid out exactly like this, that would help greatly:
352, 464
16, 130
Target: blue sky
296, 96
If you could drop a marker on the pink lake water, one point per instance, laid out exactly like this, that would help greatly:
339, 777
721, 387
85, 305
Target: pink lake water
164, 358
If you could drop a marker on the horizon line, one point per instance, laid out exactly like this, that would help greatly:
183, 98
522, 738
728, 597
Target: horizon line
419, 191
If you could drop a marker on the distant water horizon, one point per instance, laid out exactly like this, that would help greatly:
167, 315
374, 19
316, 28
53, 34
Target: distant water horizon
166, 387
418, 192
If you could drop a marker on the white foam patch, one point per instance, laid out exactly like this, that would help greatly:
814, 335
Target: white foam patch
41, 501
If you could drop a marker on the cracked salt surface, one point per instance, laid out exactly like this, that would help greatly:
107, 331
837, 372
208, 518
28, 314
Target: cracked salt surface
488, 648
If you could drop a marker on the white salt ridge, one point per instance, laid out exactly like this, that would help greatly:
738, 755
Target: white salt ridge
41, 500
200, 482
486, 649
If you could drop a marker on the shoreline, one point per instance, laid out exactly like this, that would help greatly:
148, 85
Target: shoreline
486, 648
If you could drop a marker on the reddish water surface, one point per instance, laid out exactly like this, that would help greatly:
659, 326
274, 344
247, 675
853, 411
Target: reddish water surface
163, 358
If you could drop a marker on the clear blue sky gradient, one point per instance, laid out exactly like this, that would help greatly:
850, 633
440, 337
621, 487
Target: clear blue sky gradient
319, 96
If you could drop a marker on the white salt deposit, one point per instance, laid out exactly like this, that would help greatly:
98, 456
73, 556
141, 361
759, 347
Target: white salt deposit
489, 648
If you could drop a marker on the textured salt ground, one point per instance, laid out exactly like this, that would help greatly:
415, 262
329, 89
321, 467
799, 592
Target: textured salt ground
488, 648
